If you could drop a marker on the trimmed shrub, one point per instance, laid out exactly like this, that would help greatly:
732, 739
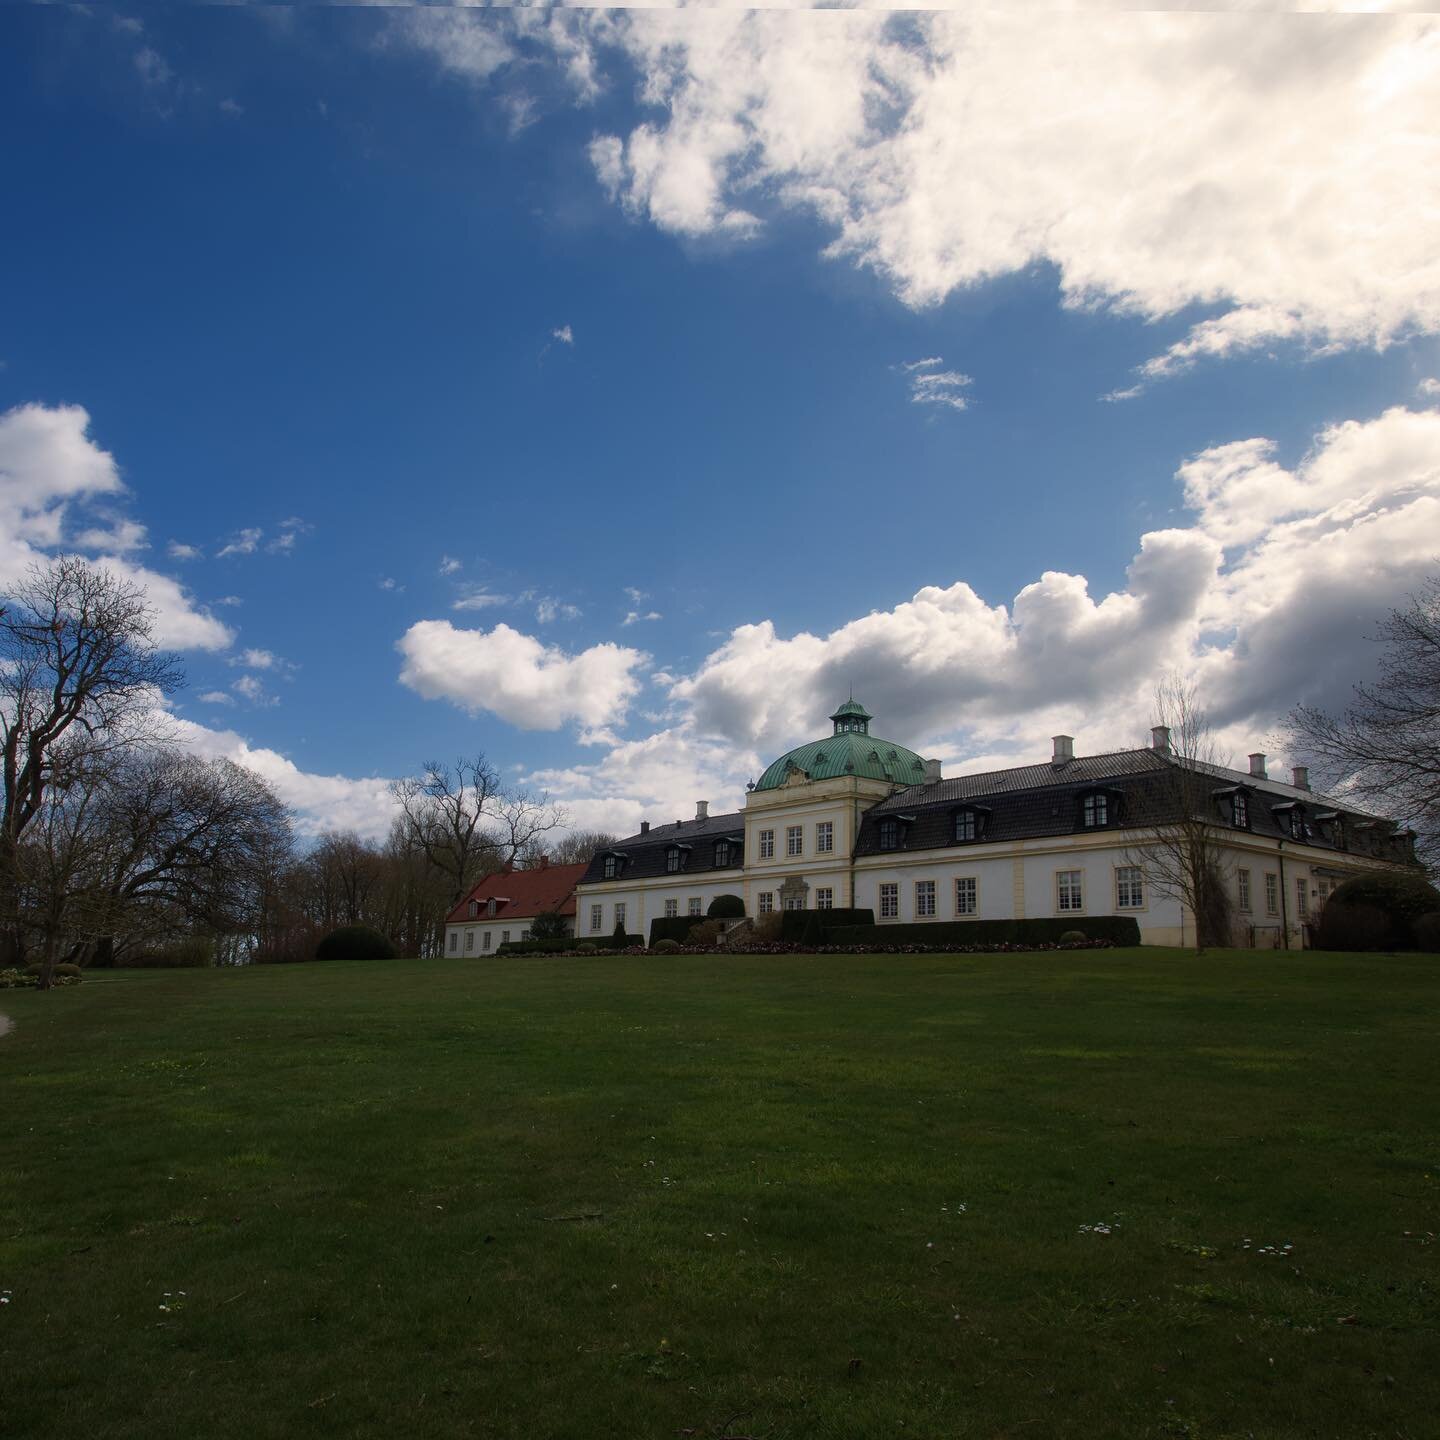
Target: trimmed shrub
64, 967
1427, 933
814, 932
355, 942
1352, 927
706, 936
549, 925
617, 935
795, 923
674, 927
665, 947
1074, 937
585, 949
535, 947
726, 907
1117, 929
1401, 899
766, 929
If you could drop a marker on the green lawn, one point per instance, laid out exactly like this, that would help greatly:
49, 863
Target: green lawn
829, 1196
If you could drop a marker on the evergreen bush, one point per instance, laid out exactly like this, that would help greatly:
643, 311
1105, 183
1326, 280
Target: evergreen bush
665, 947
726, 907
1118, 929
355, 942
1401, 898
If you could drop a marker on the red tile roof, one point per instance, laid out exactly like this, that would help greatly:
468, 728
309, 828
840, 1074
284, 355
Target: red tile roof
522, 894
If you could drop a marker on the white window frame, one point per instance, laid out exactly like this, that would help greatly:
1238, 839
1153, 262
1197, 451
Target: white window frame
925, 903
454, 942
620, 908
1069, 892
766, 902
469, 941
1302, 897
825, 898
1272, 893
794, 902
1134, 876
1243, 898
824, 837
890, 901
485, 940
767, 844
694, 906
794, 840
961, 912
672, 909
504, 937
597, 919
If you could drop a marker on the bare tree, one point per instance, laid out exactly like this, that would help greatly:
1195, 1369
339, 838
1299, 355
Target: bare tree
522, 820
1181, 850
1384, 750
574, 848
78, 661
445, 814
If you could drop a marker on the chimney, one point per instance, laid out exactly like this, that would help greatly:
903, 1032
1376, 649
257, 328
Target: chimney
1301, 776
1160, 739
1257, 766
644, 827
1064, 749
702, 809
932, 772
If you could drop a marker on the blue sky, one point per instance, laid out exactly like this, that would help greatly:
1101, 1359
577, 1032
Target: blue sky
410, 312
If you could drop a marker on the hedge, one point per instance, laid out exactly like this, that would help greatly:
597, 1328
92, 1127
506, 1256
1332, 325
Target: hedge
1118, 929
562, 947
674, 927
793, 922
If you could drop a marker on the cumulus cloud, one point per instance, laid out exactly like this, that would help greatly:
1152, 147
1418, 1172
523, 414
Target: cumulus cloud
515, 676
177, 550
50, 469
1266, 168
252, 689
1267, 598
548, 609
1429, 387
564, 335
216, 697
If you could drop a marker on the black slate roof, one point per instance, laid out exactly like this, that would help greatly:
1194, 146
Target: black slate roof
644, 855
1143, 787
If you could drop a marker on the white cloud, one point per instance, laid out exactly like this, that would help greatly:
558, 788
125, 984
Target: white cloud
564, 335
246, 542
636, 596
932, 386
252, 689
1429, 387
1267, 598
258, 660
634, 617
449, 565
1264, 166
177, 550
49, 468
480, 600
515, 676
231, 107
152, 67
548, 609
321, 802
216, 697
388, 582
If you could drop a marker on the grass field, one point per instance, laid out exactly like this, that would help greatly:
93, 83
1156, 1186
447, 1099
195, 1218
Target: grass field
769, 1197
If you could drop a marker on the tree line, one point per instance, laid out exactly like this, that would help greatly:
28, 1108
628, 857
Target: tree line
118, 844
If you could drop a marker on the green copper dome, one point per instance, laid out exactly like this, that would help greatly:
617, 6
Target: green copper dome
851, 750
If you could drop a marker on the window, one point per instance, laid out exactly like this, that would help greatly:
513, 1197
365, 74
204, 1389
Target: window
454, 941
485, 940
824, 837
597, 917
1337, 833
824, 899
620, 915
1096, 811
1242, 889
924, 898
1302, 898
612, 867
474, 908
1129, 888
524, 934
672, 860
504, 937
469, 941
1240, 810
794, 902
767, 901
965, 900
767, 844
490, 906
794, 841
672, 909
889, 834
967, 825
1069, 890
1297, 823
694, 905
722, 852
1272, 893
889, 902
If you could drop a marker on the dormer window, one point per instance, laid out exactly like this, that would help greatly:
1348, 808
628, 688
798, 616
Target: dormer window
1240, 810
889, 834
1337, 832
722, 853
612, 866
474, 908
490, 906
967, 825
1095, 810
1297, 823
674, 860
